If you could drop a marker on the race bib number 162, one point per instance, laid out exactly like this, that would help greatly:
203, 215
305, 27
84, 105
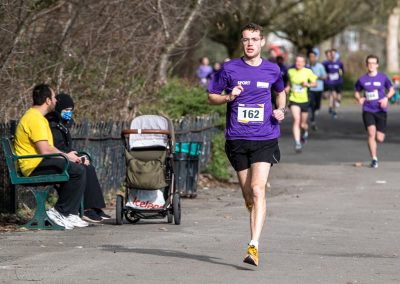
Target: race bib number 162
251, 113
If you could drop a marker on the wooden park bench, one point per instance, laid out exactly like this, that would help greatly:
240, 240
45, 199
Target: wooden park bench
39, 185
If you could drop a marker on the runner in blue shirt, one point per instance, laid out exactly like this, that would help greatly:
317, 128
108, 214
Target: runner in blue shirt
315, 93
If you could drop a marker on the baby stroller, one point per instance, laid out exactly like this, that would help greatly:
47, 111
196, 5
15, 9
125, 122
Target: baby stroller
150, 181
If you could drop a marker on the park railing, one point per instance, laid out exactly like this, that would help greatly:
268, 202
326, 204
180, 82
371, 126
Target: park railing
103, 141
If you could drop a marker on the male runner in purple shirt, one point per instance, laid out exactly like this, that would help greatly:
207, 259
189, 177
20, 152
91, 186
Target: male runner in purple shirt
334, 81
252, 125
374, 102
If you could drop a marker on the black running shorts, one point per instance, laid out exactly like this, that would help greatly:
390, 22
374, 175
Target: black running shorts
243, 153
375, 118
303, 106
336, 87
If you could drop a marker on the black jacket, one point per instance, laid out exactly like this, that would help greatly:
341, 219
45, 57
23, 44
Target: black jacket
60, 129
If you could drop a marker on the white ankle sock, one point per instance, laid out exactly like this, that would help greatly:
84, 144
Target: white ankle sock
254, 243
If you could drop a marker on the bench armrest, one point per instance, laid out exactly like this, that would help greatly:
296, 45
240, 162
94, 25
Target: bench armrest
84, 153
62, 155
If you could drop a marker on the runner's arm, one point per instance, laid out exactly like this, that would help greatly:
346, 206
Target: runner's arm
323, 74
384, 102
288, 87
310, 84
390, 93
218, 99
358, 97
281, 100
279, 113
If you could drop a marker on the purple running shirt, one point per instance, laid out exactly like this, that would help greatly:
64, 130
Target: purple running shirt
249, 116
374, 90
332, 70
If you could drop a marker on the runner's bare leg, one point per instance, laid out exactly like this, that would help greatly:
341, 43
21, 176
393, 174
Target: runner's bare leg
258, 176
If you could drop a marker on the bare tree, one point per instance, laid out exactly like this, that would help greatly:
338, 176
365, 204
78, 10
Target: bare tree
174, 43
392, 39
107, 54
314, 21
231, 16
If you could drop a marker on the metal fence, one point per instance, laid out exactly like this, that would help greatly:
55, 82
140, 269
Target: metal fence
103, 141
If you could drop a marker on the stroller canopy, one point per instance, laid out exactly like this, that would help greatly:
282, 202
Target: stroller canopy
148, 140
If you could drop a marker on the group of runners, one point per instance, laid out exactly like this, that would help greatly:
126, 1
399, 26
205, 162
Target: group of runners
307, 83
252, 129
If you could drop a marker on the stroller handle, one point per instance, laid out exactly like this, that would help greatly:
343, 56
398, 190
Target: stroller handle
145, 131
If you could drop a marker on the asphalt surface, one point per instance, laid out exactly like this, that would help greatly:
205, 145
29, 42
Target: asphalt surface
328, 222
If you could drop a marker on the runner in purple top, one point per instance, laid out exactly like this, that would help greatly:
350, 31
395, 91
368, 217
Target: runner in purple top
252, 125
374, 101
203, 72
334, 81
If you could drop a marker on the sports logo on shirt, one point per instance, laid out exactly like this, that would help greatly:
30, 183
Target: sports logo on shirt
264, 85
378, 84
244, 83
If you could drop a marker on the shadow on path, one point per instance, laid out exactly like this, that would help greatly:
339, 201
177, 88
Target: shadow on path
171, 253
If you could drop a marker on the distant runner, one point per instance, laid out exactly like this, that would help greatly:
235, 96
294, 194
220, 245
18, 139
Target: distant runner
374, 101
334, 81
315, 93
300, 78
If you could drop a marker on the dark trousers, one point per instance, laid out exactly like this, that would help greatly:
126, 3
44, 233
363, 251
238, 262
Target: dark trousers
315, 103
70, 192
93, 197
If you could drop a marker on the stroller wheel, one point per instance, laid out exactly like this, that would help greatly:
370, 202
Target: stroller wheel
131, 219
176, 204
170, 217
118, 210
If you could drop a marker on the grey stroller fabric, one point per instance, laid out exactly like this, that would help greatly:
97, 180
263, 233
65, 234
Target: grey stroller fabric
150, 122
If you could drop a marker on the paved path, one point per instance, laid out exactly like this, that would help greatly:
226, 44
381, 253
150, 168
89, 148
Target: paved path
328, 222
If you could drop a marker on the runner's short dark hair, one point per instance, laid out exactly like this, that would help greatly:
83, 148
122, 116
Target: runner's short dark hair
311, 51
373, 56
252, 27
40, 93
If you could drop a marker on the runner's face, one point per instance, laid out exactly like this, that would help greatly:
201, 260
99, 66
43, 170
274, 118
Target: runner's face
328, 55
372, 65
205, 61
300, 62
333, 55
312, 58
252, 43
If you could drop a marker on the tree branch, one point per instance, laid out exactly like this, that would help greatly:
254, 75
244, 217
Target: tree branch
163, 19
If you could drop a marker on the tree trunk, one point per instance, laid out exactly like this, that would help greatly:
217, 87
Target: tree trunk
392, 47
164, 59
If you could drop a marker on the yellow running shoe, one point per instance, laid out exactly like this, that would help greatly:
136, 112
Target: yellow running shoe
251, 256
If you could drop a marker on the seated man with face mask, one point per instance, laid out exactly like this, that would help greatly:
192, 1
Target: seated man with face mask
60, 122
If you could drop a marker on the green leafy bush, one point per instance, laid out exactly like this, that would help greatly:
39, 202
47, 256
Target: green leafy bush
219, 162
180, 98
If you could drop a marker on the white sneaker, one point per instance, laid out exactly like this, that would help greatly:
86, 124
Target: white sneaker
59, 219
76, 221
